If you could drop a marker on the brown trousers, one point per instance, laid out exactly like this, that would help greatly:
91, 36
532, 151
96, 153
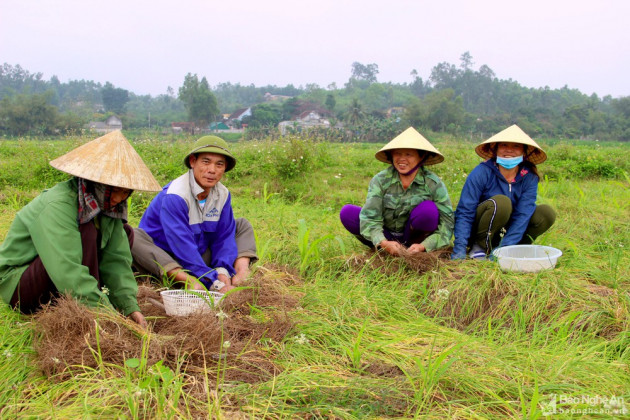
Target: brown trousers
36, 289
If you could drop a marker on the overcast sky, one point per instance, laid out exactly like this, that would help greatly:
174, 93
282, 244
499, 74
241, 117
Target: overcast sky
146, 46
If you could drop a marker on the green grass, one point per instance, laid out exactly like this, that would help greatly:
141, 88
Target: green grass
373, 337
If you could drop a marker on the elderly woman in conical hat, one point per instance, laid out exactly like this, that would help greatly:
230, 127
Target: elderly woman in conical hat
497, 206
408, 208
71, 239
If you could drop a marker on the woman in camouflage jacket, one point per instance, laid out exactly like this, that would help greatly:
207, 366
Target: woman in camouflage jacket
407, 207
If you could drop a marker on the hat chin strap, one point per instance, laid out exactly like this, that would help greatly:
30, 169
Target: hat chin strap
413, 169
425, 157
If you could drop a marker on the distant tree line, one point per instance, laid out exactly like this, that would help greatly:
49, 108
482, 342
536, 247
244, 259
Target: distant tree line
457, 99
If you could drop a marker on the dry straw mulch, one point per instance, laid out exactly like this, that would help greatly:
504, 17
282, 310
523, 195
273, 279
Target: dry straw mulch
71, 337
498, 295
421, 262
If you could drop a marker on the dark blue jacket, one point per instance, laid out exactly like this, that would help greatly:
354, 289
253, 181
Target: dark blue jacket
484, 182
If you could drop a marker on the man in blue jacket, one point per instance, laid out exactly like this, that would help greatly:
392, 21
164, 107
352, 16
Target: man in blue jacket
189, 233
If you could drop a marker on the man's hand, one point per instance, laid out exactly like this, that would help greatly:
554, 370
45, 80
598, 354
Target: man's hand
241, 266
226, 288
195, 284
392, 247
228, 284
138, 318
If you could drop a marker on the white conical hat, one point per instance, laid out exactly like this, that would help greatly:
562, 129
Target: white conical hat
109, 160
411, 139
513, 134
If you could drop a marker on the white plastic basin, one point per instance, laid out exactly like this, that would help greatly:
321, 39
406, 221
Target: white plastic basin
527, 258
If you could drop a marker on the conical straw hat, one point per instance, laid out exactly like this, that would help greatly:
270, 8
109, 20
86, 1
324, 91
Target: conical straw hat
411, 139
109, 160
535, 154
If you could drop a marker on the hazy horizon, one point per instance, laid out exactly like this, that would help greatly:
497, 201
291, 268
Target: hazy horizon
145, 47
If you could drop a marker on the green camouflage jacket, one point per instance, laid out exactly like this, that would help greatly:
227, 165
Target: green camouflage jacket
388, 206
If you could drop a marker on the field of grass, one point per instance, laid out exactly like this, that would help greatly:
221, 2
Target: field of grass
374, 337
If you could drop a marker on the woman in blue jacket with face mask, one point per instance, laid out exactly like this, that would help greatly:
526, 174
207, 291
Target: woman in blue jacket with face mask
497, 206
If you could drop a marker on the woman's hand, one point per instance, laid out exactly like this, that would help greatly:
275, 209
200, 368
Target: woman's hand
416, 248
138, 318
392, 247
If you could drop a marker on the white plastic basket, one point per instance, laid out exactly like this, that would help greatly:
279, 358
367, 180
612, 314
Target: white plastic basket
527, 258
186, 302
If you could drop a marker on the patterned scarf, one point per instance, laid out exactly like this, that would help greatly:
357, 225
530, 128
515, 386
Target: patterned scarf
94, 198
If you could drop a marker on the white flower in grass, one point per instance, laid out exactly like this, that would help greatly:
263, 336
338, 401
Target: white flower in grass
55, 360
301, 339
226, 344
7, 354
442, 294
221, 315
105, 290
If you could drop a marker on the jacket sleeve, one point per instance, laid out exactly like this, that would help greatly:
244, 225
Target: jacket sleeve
223, 247
467, 209
442, 236
115, 270
371, 216
181, 239
57, 241
522, 212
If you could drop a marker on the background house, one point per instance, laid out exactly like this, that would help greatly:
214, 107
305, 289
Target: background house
305, 121
271, 98
218, 126
112, 123
238, 115
183, 127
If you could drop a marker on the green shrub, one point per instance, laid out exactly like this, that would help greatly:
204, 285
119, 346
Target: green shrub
292, 157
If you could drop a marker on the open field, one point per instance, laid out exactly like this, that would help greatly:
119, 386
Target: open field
372, 336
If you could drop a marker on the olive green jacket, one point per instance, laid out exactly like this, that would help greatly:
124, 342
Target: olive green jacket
48, 227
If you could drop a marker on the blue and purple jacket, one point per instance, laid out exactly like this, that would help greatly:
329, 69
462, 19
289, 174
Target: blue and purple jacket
180, 226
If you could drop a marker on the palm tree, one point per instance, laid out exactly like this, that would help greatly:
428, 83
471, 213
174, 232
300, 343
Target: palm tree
355, 113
